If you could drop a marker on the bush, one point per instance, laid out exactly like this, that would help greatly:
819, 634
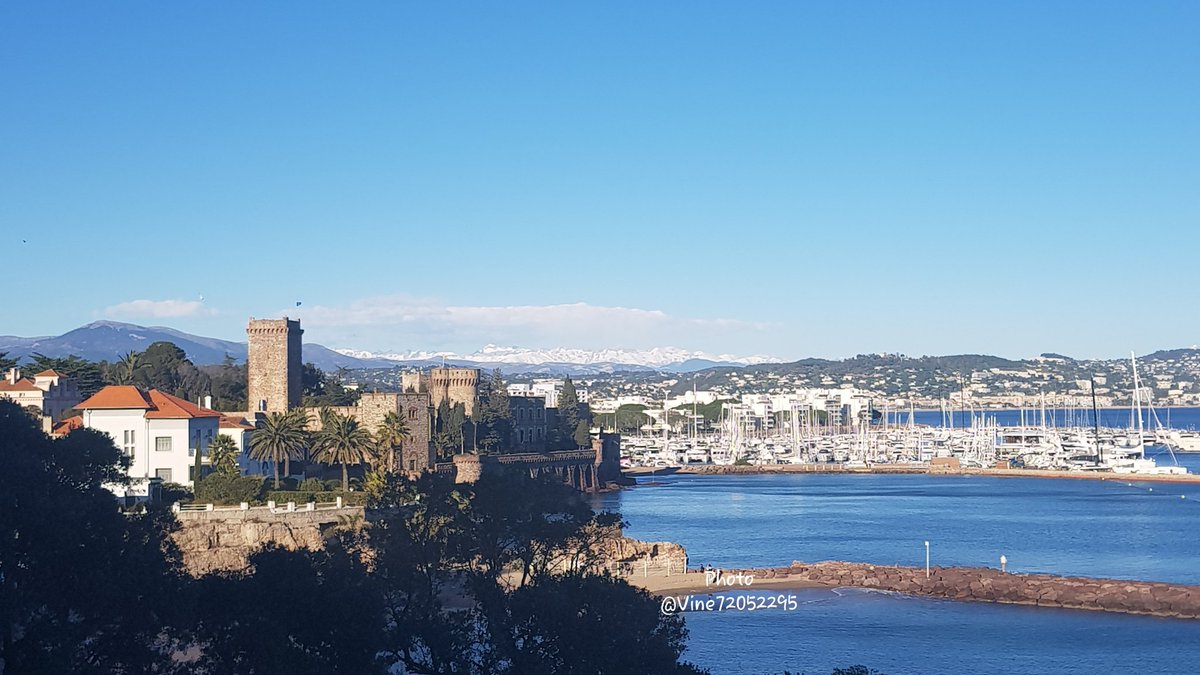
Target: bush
281, 497
223, 488
312, 485
174, 492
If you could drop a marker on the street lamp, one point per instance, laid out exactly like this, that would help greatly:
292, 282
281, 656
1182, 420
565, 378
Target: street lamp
927, 559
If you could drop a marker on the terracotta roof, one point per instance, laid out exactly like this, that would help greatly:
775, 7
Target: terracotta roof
67, 426
167, 406
50, 373
23, 384
117, 397
158, 405
230, 422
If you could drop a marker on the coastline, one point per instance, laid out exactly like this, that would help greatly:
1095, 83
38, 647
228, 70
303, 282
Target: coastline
752, 469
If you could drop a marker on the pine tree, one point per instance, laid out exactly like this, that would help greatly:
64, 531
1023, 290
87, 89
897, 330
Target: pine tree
568, 414
492, 414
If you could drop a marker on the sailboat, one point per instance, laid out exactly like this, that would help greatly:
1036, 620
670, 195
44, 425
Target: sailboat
1130, 457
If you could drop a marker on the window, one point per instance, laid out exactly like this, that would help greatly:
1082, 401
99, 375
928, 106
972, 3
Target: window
164, 474
128, 445
412, 465
162, 443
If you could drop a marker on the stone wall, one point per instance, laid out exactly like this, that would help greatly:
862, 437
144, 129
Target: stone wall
213, 541
991, 585
416, 454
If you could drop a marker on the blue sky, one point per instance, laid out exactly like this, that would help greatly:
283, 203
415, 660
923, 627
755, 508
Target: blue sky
790, 178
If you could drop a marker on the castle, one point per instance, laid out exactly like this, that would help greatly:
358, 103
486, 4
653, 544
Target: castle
274, 365
446, 385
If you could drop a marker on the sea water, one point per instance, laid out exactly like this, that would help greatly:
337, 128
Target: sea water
1112, 528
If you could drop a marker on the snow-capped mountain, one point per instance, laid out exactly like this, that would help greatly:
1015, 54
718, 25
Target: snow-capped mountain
659, 357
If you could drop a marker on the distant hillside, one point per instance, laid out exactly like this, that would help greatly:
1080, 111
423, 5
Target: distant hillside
109, 340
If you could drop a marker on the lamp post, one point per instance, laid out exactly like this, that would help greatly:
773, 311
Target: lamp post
926, 559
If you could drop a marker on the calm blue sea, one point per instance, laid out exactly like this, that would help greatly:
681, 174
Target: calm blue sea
1176, 418
1094, 528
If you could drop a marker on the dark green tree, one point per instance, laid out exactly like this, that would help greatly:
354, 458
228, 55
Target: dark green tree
568, 415
83, 588
321, 389
6, 363
88, 376
492, 416
165, 367
342, 440
584, 625
450, 428
280, 438
331, 622
222, 454
227, 381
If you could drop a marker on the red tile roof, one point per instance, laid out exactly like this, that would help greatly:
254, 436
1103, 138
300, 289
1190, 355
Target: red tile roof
117, 397
67, 426
23, 384
230, 422
158, 405
169, 407
50, 373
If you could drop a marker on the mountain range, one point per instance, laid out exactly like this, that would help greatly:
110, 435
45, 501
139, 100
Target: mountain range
109, 340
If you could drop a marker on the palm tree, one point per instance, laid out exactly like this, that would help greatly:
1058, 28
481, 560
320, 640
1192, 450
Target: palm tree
342, 440
126, 367
279, 438
391, 435
222, 454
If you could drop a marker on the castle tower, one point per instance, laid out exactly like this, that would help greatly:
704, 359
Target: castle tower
273, 364
455, 385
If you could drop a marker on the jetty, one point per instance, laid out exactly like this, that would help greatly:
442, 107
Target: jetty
976, 584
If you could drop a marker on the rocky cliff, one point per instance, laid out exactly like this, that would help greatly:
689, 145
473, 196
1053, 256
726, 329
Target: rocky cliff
223, 540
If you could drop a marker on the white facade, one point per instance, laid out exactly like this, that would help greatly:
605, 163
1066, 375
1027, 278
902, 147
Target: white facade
160, 434
157, 448
48, 391
548, 389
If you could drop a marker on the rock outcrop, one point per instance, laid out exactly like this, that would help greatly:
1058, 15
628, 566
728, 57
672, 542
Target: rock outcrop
223, 540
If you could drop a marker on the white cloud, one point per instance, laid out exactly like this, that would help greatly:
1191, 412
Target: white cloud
398, 321
158, 309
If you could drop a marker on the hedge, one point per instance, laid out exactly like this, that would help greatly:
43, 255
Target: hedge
301, 497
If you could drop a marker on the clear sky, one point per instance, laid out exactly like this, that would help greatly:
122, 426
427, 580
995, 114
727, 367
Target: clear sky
784, 178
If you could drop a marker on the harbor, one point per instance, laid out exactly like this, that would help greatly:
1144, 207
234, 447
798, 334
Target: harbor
854, 436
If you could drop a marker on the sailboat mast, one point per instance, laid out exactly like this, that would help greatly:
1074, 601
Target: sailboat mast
1137, 402
1096, 419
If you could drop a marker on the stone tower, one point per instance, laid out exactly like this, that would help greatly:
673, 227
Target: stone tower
456, 385
273, 365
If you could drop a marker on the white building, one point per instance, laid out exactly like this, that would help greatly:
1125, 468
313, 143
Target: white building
159, 432
50, 392
548, 389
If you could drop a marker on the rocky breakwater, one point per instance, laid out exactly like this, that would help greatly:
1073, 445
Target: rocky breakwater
212, 541
991, 585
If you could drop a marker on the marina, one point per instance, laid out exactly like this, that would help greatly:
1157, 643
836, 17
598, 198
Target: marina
1134, 441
